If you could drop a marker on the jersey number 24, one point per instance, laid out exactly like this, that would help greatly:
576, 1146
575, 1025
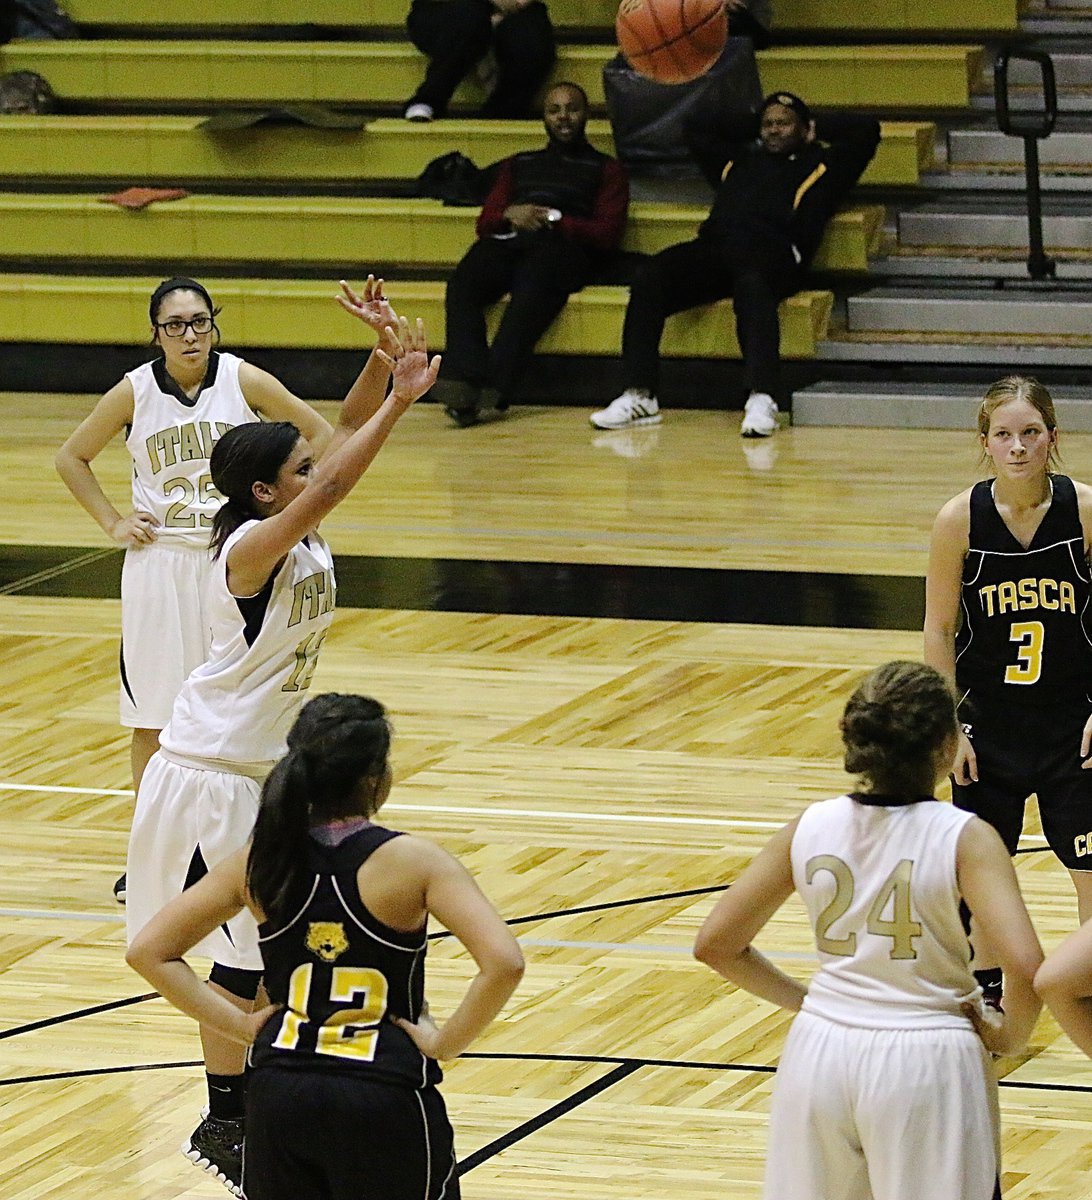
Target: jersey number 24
900, 926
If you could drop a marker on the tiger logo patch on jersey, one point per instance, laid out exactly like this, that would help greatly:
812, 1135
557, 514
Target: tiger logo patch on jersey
327, 940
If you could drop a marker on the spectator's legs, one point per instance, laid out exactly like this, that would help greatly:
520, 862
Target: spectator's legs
454, 34
680, 277
481, 278
756, 294
524, 47
546, 273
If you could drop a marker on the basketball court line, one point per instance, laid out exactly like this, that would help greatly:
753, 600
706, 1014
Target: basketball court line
513, 1056
72, 1016
54, 572
698, 593
567, 1105
476, 811
461, 810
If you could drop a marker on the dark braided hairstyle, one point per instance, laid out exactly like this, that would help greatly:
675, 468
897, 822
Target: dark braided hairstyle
245, 455
894, 725
335, 767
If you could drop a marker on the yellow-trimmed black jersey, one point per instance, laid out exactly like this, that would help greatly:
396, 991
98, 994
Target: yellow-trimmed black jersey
341, 975
1025, 633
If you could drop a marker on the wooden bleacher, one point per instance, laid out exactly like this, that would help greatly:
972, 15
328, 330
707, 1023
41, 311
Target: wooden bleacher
833, 17
329, 231
145, 98
154, 149
293, 313
362, 74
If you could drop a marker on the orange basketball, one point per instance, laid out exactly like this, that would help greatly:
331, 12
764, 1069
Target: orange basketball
671, 41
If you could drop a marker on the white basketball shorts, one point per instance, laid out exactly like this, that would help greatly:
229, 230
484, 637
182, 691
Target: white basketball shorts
882, 1114
187, 820
164, 628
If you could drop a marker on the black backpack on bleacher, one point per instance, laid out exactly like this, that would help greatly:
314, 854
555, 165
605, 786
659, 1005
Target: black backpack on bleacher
454, 179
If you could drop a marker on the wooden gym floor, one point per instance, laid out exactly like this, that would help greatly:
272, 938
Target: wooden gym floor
615, 664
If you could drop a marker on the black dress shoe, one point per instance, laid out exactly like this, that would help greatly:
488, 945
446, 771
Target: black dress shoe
460, 400
463, 417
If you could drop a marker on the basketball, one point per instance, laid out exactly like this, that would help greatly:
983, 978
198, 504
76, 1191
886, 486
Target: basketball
671, 41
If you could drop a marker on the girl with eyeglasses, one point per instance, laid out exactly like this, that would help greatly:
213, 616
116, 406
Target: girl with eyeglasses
270, 603
172, 411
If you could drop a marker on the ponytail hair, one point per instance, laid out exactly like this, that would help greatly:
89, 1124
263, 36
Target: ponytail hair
247, 454
336, 766
895, 724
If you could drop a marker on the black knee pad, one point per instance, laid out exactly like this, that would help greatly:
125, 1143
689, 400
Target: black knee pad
236, 980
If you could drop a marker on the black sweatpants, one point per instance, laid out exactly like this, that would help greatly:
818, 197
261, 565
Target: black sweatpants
694, 273
456, 33
540, 272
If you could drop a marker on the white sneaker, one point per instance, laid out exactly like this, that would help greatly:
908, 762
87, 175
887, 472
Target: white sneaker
419, 112
759, 416
632, 407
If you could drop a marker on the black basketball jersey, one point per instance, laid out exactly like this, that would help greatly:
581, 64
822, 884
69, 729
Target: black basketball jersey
341, 975
1025, 632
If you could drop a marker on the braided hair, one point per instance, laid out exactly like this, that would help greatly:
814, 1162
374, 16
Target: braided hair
336, 766
895, 724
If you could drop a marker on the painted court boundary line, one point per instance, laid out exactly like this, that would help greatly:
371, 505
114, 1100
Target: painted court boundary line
460, 810
512, 1056
551, 1114
474, 811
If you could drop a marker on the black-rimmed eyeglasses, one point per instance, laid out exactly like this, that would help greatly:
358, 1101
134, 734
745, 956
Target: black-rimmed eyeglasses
176, 327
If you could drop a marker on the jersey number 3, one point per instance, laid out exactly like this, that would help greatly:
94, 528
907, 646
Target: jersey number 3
900, 926
1029, 658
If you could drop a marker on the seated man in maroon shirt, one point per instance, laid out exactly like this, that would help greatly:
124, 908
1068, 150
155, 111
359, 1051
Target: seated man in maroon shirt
550, 220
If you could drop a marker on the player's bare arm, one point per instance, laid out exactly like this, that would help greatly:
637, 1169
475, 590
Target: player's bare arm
107, 419
157, 951
987, 882
272, 401
453, 897
724, 940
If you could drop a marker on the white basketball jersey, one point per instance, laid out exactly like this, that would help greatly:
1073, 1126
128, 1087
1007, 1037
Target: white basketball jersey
880, 888
171, 441
234, 712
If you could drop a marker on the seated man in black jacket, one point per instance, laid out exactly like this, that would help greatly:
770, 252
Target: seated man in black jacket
774, 197
551, 219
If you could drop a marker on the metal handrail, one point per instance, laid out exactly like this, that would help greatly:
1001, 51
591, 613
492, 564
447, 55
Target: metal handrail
1032, 126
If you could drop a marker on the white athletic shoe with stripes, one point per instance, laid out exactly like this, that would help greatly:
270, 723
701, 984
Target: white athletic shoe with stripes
632, 407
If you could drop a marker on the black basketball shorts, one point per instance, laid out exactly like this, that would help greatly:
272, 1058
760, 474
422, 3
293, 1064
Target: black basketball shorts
1031, 751
321, 1133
